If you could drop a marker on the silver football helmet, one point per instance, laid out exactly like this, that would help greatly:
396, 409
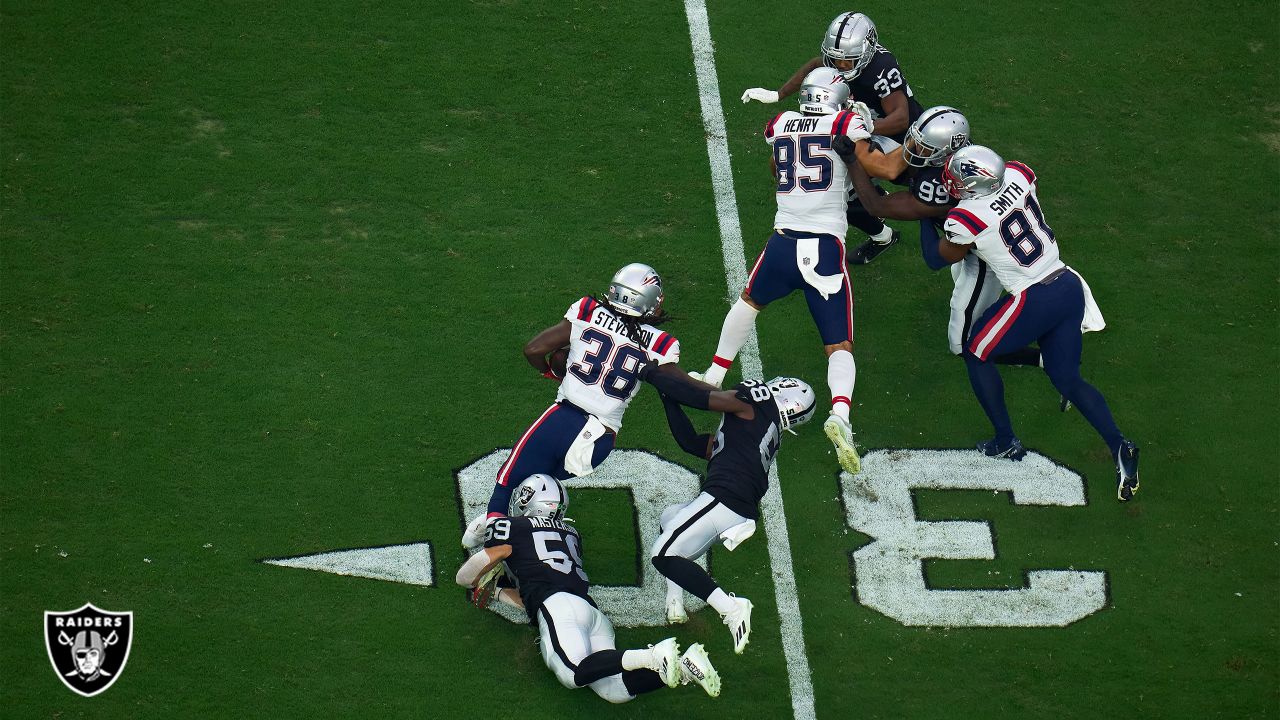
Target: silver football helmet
796, 400
823, 92
636, 290
539, 496
851, 38
938, 132
973, 172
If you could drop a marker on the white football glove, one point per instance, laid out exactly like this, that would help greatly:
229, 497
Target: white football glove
864, 112
761, 95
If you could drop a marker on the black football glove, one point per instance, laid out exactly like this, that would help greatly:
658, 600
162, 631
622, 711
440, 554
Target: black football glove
844, 147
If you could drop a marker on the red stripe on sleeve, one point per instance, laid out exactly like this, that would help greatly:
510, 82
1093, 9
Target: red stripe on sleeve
1026, 171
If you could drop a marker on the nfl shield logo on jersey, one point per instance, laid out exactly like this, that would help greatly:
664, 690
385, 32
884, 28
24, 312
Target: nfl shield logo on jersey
88, 647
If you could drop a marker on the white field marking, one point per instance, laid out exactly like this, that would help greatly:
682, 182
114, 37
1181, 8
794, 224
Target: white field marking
410, 563
735, 270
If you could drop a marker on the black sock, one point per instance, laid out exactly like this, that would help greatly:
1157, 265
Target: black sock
863, 220
1029, 355
687, 574
641, 681
597, 665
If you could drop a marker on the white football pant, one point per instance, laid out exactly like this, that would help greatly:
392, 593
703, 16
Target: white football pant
572, 629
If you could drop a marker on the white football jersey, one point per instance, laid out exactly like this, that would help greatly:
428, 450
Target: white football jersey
604, 360
813, 182
1008, 231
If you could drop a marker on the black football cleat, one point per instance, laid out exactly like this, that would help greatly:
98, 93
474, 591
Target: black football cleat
1011, 450
1126, 471
870, 250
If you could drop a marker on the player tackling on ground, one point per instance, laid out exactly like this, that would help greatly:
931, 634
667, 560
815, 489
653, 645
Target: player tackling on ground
999, 218
806, 250
740, 453
544, 555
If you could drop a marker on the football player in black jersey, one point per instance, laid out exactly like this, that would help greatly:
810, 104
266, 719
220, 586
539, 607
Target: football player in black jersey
937, 133
739, 454
543, 555
851, 45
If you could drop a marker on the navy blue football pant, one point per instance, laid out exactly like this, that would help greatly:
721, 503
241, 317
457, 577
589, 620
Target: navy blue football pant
776, 275
542, 449
1048, 313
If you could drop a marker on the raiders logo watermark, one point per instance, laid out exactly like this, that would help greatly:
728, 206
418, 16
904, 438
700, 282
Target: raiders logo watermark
88, 647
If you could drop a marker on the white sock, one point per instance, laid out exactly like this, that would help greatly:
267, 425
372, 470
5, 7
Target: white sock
884, 236
840, 375
637, 659
721, 601
737, 327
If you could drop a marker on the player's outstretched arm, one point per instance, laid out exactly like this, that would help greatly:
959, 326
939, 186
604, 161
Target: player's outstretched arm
675, 383
545, 342
481, 563
697, 445
901, 205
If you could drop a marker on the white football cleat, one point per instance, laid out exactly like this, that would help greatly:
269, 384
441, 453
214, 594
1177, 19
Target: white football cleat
676, 614
841, 435
739, 622
696, 667
666, 661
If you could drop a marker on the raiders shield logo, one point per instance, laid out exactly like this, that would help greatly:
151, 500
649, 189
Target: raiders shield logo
88, 647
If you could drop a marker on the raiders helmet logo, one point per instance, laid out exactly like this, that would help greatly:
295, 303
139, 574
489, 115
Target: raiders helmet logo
88, 647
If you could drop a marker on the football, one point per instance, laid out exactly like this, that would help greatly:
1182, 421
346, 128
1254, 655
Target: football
558, 360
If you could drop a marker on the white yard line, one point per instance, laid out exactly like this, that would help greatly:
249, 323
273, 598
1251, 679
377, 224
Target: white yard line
735, 270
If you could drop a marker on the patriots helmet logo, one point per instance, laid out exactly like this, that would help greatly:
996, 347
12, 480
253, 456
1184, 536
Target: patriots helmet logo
970, 169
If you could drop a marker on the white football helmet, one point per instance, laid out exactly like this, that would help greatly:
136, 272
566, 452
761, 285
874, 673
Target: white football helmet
796, 400
636, 291
938, 132
823, 92
850, 37
539, 496
973, 172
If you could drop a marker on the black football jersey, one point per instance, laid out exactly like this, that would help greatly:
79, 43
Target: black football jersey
926, 186
877, 80
546, 558
743, 450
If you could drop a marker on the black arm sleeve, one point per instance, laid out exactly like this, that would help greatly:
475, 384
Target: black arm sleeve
682, 429
676, 388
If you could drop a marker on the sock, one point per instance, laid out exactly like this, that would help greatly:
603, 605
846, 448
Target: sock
989, 388
1028, 355
687, 574
858, 217
884, 236
720, 600
737, 327
1094, 408
639, 682
600, 664
635, 659
841, 372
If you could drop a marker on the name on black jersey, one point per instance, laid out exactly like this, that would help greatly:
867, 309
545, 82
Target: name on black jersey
1006, 198
801, 124
541, 522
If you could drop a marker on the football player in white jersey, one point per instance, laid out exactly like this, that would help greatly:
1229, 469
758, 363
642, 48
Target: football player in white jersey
806, 250
851, 45
931, 139
609, 339
999, 219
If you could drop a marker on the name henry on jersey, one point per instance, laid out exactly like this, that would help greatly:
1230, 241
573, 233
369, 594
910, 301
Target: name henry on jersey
801, 125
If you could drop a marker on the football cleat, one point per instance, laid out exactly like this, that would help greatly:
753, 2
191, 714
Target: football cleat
676, 614
666, 661
841, 435
739, 622
1126, 471
871, 249
1063, 403
696, 667
1011, 450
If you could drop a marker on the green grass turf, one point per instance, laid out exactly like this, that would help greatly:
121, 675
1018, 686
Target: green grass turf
266, 274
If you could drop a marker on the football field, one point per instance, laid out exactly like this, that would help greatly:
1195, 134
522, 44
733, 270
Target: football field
266, 270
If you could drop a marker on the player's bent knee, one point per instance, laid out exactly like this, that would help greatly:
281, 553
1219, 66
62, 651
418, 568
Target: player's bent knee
748, 300
612, 689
